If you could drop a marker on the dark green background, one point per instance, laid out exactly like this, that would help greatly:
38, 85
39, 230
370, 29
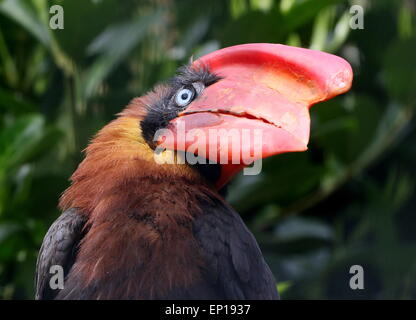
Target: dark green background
350, 199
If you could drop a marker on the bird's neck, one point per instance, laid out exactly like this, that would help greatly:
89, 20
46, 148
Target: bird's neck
117, 159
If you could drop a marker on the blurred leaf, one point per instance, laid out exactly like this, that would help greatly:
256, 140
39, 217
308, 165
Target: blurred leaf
8, 63
238, 8
294, 40
400, 79
341, 32
346, 132
306, 265
6, 229
194, 34
113, 45
24, 140
266, 216
303, 11
405, 20
24, 13
84, 20
284, 179
282, 287
262, 5
286, 5
321, 28
206, 48
269, 27
11, 103
294, 228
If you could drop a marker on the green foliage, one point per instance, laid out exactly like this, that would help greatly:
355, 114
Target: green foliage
349, 200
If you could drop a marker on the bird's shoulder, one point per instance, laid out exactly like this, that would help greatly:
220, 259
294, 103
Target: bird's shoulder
58, 248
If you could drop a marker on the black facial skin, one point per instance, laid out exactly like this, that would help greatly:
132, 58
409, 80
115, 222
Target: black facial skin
161, 112
165, 109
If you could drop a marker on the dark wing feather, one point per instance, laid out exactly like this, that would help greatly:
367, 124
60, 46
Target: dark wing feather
58, 248
235, 266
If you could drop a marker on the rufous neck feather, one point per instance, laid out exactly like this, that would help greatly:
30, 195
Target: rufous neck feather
117, 157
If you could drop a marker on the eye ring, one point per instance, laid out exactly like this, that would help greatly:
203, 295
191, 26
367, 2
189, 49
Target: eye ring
184, 97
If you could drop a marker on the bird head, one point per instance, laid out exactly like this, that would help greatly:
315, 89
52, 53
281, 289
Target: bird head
243, 103
218, 115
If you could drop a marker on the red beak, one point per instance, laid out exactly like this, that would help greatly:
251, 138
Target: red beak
266, 88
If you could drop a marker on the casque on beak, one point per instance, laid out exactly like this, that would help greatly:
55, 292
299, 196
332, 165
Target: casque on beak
265, 89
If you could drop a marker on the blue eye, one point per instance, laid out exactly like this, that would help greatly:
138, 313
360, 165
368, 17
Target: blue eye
184, 97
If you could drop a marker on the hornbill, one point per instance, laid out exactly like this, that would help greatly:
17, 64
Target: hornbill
134, 227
